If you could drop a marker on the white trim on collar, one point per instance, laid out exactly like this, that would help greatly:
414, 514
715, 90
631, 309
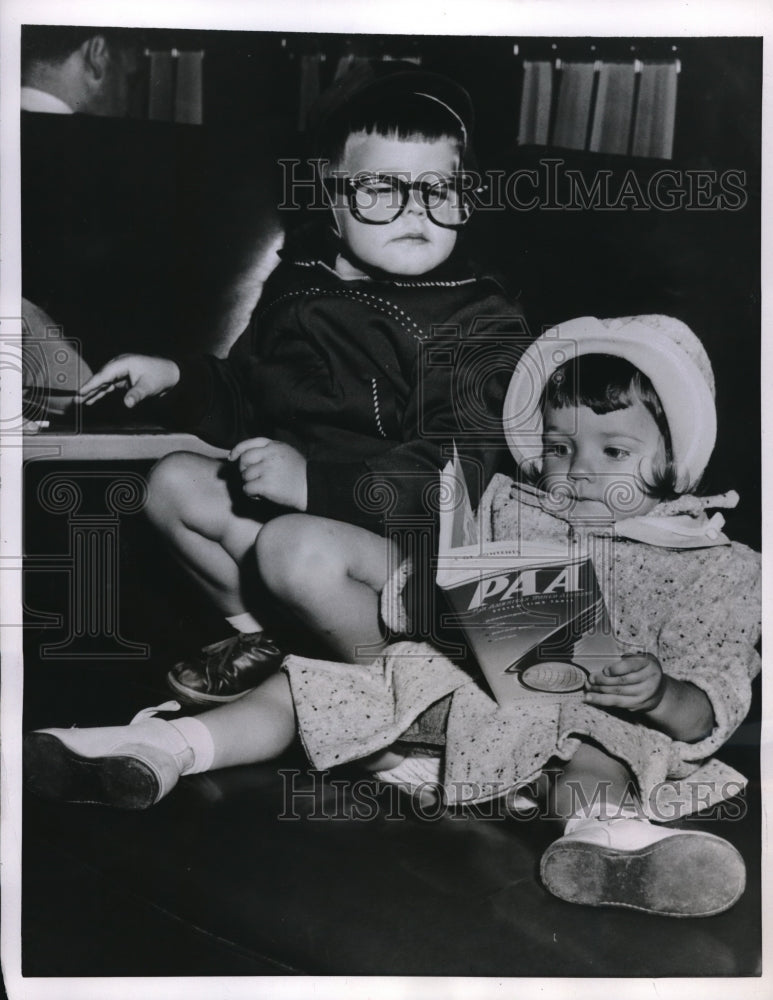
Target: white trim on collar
33, 99
394, 281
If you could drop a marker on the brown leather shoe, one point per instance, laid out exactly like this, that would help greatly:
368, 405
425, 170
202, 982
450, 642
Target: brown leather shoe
227, 670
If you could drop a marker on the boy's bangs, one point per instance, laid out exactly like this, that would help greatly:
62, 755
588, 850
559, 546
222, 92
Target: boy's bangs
409, 117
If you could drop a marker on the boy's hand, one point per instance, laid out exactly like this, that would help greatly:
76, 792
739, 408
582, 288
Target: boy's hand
145, 376
272, 470
635, 681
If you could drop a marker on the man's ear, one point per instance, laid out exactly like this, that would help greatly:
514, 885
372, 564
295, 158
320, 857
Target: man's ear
96, 55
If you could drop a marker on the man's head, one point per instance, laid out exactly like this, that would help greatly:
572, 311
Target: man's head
90, 69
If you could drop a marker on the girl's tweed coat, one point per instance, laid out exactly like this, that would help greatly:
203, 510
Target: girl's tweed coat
691, 598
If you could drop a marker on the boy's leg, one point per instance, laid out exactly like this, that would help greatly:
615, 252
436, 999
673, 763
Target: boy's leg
330, 575
610, 854
189, 502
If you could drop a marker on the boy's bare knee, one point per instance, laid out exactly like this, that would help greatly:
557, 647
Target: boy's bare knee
171, 483
294, 553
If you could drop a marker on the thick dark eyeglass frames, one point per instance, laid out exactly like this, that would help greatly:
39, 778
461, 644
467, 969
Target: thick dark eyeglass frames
379, 198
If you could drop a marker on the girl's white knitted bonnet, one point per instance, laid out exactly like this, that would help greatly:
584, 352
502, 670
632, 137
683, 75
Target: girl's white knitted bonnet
663, 348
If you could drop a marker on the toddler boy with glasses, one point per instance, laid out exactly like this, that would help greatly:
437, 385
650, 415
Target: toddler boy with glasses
374, 346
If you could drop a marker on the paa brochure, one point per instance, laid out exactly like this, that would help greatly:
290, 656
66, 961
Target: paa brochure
532, 612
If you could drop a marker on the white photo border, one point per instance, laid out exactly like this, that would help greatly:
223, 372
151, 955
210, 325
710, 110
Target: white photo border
490, 17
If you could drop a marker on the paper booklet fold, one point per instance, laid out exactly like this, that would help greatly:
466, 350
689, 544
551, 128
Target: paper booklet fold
532, 612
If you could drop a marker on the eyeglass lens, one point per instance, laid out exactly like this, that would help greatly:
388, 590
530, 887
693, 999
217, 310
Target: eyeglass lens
382, 199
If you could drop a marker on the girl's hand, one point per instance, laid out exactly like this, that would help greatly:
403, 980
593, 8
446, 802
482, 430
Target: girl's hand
272, 470
144, 375
636, 682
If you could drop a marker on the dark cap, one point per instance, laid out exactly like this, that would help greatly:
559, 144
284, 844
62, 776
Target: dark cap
378, 79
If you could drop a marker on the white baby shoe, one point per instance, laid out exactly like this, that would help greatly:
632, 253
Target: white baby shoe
130, 767
627, 861
420, 775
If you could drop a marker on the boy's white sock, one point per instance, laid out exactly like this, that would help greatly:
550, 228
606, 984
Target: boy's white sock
199, 739
244, 623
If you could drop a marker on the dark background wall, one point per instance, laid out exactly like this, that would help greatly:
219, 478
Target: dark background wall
135, 233
255, 75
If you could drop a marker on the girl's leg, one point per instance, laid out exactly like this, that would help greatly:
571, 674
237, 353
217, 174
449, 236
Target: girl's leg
189, 502
591, 776
134, 766
257, 727
330, 575
611, 855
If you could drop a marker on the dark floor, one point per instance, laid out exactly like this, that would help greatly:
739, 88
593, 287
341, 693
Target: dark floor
228, 876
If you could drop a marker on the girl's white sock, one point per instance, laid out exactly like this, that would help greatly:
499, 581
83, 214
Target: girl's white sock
599, 813
199, 739
244, 623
